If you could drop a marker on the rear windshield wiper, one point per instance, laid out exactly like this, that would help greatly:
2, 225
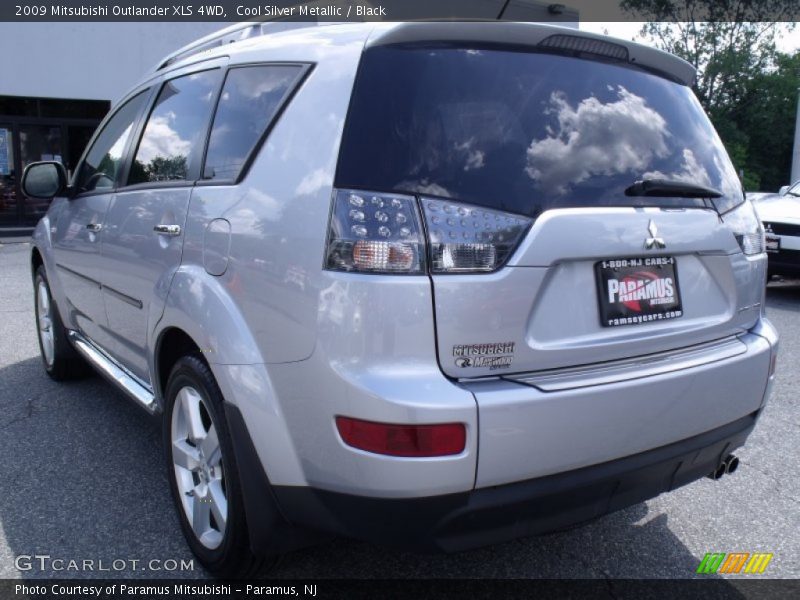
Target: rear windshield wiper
668, 188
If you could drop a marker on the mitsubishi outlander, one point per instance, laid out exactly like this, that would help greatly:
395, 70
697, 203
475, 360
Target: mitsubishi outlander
434, 285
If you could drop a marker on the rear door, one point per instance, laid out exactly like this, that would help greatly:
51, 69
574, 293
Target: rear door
554, 141
144, 235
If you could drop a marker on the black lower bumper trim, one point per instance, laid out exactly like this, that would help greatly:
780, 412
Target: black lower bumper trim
485, 516
785, 262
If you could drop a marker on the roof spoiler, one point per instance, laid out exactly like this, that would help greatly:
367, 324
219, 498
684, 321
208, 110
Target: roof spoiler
538, 36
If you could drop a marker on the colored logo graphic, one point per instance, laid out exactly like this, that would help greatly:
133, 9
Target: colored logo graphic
646, 286
734, 562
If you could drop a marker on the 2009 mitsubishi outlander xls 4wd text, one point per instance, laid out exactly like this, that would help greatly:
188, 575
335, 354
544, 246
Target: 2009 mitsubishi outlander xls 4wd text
434, 285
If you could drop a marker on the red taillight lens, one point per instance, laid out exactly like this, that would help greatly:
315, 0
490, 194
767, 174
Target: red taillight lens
403, 440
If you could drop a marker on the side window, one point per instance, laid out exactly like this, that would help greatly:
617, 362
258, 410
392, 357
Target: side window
99, 170
250, 99
173, 138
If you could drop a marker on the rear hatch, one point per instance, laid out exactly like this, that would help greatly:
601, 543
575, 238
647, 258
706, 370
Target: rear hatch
552, 142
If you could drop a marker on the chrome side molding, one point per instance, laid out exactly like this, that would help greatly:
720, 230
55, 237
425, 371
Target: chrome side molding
128, 383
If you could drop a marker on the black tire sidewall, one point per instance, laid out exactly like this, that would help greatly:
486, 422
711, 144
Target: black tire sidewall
192, 371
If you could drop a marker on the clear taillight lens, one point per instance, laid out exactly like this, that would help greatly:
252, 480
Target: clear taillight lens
465, 238
373, 232
747, 229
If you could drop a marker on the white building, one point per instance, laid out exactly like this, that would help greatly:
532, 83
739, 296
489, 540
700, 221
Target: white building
59, 82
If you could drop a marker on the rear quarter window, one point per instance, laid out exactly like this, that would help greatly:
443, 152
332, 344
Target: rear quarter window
524, 132
251, 98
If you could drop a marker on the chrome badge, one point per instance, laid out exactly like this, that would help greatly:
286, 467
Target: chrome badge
653, 241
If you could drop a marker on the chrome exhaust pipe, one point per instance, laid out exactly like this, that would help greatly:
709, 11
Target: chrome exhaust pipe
728, 465
718, 472
731, 464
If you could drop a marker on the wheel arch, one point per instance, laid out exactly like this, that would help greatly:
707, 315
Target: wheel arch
172, 344
36, 259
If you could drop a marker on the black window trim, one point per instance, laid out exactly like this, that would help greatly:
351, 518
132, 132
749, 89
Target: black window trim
148, 98
154, 88
130, 155
305, 69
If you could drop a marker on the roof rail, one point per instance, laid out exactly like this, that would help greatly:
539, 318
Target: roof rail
234, 33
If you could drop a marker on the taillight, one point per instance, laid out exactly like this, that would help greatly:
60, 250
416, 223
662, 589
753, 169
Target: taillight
376, 232
469, 239
747, 229
403, 440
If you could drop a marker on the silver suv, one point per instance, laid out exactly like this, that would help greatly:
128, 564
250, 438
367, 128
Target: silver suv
433, 285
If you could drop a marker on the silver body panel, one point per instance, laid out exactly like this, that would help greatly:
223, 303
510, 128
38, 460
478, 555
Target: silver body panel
293, 346
527, 433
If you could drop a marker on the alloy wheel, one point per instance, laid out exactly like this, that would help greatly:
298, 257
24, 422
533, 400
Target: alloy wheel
45, 322
197, 464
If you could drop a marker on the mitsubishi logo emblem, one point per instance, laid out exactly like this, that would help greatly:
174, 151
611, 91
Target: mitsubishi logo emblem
653, 241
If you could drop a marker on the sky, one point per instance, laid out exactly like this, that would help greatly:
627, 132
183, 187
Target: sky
789, 42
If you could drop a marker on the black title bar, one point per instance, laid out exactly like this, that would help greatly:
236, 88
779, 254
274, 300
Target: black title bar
440, 589
398, 10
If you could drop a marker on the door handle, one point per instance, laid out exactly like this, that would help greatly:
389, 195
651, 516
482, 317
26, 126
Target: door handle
94, 226
170, 230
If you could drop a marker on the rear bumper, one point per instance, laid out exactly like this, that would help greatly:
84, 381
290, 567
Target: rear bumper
400, 501
461, 521
573, 420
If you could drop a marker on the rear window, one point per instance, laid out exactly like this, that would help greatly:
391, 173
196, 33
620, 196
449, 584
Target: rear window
524, 132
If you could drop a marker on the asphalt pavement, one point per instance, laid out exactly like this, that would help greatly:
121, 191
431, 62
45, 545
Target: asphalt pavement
83, 479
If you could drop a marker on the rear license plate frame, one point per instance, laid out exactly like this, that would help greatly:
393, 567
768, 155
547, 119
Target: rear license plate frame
637, 273
776, 244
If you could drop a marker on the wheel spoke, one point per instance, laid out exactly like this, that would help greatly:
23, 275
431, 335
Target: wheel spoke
44, 300
184, 455
190, 403
201, 512
210, 447
45, 323
219, 504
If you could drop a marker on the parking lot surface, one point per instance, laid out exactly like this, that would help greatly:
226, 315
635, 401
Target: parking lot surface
83, 479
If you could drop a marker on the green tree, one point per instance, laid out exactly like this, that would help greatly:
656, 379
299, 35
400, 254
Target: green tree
731, 43
766, 118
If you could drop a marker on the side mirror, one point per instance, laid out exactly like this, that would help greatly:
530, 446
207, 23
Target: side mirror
783, 190
44, 180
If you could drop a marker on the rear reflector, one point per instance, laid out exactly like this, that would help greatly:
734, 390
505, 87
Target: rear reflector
403, 440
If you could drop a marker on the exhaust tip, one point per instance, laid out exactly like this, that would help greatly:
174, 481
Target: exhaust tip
718, 472
731, 464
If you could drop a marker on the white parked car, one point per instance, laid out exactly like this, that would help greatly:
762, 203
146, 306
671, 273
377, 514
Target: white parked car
780, 214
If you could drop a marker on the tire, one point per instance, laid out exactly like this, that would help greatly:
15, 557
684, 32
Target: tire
61, 361
201, 472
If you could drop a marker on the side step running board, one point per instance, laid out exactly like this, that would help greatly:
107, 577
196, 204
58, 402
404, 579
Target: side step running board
107, 367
